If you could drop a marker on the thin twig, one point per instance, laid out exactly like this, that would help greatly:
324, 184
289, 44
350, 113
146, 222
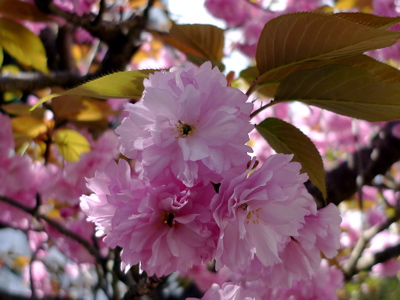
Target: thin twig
350, 266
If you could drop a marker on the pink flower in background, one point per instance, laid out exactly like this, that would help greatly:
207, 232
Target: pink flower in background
259, 214
80, 7
380, 242
17, 177
189, 124
41, 279
234, 12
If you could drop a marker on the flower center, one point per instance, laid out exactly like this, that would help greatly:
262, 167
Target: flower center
252, 216
184, 129
168, 218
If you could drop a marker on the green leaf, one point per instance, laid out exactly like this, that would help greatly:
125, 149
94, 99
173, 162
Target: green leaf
23, 45
345, 90
127, 84
195, 40
22, 10
307, 37
285, 138
71, 144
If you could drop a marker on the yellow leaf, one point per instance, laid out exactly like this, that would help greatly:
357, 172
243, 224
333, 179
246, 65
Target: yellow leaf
23, 45
127, 84
22, 109
71, 144
94, 110
28, 126
84, 109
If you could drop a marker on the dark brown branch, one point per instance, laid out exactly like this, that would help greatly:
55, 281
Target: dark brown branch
92, 250
375, 159
28, 82
9, 296
367, 261
352, 265
144, 286
16, 204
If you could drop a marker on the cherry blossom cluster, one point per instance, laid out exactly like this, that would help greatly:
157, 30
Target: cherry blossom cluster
195, 196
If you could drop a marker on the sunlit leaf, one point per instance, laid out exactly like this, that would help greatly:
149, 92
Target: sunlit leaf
22, 10
117, 85
198, 40
306, 37
71, 144
285, 138
23, 45
344, 90
28, 126
84, 109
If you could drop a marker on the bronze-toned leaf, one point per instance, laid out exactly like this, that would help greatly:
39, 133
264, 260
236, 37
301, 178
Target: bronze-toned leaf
345, 90
202, 40
286, 138
307, 37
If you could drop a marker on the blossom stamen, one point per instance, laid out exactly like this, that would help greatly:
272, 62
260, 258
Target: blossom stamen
252, 215
168, 218
184, 130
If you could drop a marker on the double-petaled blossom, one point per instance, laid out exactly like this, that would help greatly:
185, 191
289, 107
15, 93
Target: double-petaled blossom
189, 124
259, 213
270, 226
166, 227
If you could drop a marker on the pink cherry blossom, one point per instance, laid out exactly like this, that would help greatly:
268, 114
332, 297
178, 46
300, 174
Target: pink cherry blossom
234, 12
258, 215
165, 227
189, 124
171, 231
17, 177
112, 187
322, 285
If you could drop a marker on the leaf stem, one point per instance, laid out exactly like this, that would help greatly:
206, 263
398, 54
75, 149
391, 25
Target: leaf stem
257, 111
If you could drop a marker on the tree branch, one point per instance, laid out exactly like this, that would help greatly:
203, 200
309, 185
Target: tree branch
92, 250
28, 82
367, 261
375, 159
144, 286
355, 263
